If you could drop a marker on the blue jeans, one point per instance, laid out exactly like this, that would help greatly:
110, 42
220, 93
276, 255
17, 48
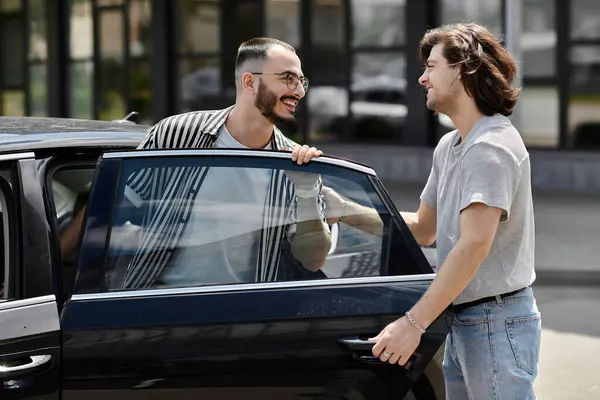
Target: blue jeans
492, 350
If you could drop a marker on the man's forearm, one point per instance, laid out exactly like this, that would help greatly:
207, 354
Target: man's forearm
312, 240
364, 218
412, 221
453, 277
70, 236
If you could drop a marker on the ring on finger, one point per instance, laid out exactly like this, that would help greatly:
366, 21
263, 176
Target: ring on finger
386, 354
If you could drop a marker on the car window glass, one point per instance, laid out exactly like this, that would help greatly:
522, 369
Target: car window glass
4, 249
180, 225
70, 187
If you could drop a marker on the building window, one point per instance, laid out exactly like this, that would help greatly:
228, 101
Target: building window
585, 19
584, 97
81, 48
327, 97
23, 58
327, 30
110, 66
484, 12
584, 85
283, 21
140, 50
538, 106
10, 6
12, 64
377, 95
37, 58
538, 39
199, 60
111, 75
378, 23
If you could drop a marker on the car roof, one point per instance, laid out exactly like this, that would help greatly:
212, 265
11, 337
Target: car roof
35, 133
37, 125
22, 134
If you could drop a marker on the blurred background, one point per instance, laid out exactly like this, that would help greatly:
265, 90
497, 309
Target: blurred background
102, 59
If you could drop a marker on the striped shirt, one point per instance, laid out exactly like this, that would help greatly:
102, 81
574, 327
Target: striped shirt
173, 190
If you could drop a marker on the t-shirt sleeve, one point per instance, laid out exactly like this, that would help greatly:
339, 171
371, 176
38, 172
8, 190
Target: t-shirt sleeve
489, 175
429, 194
138, 187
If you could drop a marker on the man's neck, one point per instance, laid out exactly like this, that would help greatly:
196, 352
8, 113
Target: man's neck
465, 119
249, 128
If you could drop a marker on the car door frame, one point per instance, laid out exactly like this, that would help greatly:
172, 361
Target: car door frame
88, 286
30, 352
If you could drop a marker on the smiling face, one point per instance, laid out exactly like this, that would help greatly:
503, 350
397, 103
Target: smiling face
276, 96
442, 81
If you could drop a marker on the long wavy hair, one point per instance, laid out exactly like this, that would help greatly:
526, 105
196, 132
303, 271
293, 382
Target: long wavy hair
487, 69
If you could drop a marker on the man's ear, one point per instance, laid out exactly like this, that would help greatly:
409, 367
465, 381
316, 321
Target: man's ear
249, 82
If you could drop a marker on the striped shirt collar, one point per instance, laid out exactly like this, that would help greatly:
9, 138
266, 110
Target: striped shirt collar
218, 118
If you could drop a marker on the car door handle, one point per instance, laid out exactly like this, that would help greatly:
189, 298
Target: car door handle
362, 350
34, 363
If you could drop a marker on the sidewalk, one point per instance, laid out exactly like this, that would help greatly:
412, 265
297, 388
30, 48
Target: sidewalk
567, 233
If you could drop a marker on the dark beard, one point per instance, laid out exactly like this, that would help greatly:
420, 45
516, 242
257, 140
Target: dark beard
266, 101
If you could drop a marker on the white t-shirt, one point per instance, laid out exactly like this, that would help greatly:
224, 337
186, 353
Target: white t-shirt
220, 242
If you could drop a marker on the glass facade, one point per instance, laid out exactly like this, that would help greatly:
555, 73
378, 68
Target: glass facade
109, 59
23, 58
584, 78
162, 58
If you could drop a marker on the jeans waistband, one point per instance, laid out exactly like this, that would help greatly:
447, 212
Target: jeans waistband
462, 306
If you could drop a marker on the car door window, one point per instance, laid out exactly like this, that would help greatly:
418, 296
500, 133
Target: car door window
216, 236
5, 273
216, 318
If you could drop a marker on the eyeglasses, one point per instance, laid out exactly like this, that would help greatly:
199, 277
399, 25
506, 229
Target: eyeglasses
291, 79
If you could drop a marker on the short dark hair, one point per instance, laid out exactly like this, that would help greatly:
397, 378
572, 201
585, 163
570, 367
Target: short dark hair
256, 50
487, 68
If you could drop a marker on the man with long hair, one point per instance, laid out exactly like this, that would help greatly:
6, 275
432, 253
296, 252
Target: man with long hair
477, 205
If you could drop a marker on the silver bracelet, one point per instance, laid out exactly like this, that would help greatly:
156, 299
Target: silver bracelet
415, 324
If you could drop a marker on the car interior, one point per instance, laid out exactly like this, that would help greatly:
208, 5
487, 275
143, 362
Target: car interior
70, 188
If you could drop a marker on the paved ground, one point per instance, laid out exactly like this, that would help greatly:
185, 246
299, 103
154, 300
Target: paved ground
568, 267
567, 233
570, 349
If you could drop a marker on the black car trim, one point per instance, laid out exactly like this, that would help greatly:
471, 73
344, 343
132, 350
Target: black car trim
236, 152
51, 166
29, 317
403, 228
253, 287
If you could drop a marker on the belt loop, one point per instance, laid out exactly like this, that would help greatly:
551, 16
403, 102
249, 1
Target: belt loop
499, 300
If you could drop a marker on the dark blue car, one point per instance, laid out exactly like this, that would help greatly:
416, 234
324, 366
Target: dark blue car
70, 330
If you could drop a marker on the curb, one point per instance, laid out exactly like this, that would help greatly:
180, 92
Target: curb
567, 278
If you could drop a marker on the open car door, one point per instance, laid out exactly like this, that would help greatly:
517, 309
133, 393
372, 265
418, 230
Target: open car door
194, 281
30, 358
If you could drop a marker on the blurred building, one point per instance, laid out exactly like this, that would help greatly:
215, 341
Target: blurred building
105, 58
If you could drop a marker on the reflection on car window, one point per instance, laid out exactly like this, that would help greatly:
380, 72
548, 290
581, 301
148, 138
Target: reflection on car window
4, 246
197, 226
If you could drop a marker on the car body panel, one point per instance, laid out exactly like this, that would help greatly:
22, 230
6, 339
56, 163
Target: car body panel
277, 341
